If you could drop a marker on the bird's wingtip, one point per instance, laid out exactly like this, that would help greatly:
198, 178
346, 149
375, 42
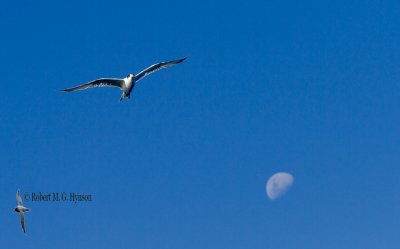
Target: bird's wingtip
182, 59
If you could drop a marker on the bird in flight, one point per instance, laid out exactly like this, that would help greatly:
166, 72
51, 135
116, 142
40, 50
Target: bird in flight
126, 84
21, 210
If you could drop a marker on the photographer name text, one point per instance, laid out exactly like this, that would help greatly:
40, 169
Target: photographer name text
57, 197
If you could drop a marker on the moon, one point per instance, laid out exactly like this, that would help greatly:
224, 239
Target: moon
278, 184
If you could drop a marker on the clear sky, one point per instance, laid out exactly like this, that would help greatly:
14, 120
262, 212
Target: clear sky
307, 87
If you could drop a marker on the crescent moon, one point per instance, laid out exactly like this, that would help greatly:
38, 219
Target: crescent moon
278, 184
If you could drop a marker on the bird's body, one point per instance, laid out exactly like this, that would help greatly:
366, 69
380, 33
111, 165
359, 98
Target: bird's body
21, 210
127, 87
126, 84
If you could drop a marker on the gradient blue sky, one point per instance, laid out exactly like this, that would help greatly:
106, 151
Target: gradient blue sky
308, 87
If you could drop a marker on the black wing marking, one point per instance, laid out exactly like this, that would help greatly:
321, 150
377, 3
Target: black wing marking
156, 67
97, 83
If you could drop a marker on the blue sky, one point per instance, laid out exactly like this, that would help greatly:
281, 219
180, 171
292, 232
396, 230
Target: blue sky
310, 87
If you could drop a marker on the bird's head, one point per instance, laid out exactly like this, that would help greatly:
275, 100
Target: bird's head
130, 75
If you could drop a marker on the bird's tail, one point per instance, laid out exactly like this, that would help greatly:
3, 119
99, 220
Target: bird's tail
124, 96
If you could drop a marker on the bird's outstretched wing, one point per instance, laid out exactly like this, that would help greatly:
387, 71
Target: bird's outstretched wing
156, 67
97, 83
22, 218
19, 198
